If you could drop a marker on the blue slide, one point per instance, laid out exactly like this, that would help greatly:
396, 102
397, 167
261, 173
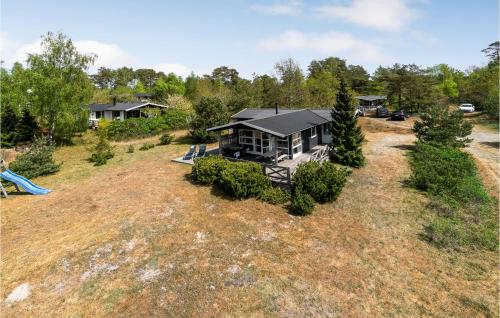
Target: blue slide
23, 182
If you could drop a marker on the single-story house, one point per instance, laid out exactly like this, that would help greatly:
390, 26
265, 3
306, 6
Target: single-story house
276, 134
371, 101
120, 111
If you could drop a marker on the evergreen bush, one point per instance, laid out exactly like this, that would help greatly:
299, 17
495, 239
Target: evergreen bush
37, 160
207, 170
166, 139
302, 204
103, 151
146, 146
324, 182
243, 180
275, 195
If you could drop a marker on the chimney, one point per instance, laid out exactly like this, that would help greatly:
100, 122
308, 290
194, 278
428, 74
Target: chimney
114, 101
276, 106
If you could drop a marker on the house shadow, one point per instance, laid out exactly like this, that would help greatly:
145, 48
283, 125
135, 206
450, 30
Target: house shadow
492, 144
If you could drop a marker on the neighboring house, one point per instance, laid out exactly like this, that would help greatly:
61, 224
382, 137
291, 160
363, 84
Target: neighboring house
371, 101
275, 134
119, 111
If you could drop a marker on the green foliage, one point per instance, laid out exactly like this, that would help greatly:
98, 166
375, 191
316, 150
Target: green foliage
103, 151
439, 125
347, 138
243, 180
9, 119
144, 127
146, 146
302, 204
166, 139
209, 112
463, 212
238, 179
37, 160
59, 86
130, 149
275, 195
207, 170
324, 182
27, 127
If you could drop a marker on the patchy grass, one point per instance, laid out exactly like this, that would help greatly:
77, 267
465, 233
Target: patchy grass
136, 238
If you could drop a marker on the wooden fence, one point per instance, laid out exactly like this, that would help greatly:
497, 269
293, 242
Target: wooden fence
278, 174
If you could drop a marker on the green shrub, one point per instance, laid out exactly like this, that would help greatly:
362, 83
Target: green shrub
275, 195
243, 180
463, 214
439, 170
324, 182
102, 151
439, 125
146, 146
302, 203
144, 127
166, 139
37, 160
207, 170
130, 149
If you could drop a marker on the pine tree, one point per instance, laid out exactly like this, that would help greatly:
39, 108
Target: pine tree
27, 127
9, 122
346, 134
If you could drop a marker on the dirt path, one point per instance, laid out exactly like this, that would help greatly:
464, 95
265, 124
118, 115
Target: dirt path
485, 148
136, 238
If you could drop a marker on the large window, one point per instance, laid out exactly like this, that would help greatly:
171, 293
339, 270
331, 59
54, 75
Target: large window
313, 132
116, 114
255, 141
282, 144
99, 115
246, 137
296, 143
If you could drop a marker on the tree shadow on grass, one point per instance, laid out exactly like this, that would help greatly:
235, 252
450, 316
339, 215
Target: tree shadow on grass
404, 147
493, 144
185, 140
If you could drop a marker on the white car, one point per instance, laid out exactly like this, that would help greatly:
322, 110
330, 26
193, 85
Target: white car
467, 108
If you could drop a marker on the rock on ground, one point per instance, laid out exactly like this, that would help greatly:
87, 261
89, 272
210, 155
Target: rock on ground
21, 292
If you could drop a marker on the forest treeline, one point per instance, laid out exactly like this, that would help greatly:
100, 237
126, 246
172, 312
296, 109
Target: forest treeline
51, 91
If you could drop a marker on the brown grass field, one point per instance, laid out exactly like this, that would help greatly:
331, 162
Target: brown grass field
135, 238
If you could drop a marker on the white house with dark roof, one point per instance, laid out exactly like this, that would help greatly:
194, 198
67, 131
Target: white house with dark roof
275, 134
120, 111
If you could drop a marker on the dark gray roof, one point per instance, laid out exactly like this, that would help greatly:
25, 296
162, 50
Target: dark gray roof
371, 97
253, 113
325, 113
120, 106
280, 125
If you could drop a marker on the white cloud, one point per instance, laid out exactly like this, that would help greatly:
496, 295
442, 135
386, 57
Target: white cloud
178, 69
387, 15
108, 55
291, 8
325, 43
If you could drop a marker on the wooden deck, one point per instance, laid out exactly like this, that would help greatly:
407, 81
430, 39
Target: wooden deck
304, 157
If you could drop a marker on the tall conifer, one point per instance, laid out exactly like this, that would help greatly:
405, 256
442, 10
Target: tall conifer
346, 135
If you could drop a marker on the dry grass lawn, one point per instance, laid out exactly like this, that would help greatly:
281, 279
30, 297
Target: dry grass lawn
135, 238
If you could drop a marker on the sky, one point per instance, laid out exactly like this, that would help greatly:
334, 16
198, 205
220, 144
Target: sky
251, 36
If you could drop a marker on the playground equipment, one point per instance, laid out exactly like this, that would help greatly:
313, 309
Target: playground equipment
18, 180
